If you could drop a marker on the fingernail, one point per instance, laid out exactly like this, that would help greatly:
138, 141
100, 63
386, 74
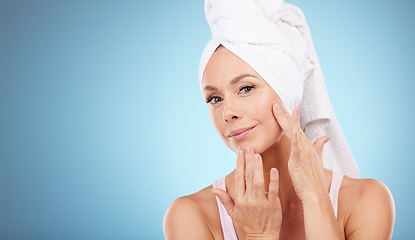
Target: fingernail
274, 171
277, 108
250, 150
213, 191
241, 153
257, 158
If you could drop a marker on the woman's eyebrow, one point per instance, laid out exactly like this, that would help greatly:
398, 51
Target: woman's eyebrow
234, 81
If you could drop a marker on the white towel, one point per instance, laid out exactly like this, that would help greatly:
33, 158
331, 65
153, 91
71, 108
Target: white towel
274, 39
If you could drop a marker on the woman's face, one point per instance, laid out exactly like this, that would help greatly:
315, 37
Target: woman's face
240, 103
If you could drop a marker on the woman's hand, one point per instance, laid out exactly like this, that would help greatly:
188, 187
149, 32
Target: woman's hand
306, 170
255, 213
305, 163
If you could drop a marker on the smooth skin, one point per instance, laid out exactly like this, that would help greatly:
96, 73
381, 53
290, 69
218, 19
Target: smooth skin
279, 189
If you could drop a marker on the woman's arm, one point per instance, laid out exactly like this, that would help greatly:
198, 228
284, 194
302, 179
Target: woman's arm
306, 171
319, 219
373, 213
184, 220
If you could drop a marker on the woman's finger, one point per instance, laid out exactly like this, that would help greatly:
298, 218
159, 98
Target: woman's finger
240, 174
249, 170
295, 150
283, 118
225, 199
319, 144
295, 137
258, 177
296, 119
273, 185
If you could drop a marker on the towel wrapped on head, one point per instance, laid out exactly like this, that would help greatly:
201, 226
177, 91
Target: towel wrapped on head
274, 39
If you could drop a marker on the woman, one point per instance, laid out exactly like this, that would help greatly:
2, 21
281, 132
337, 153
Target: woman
259, 65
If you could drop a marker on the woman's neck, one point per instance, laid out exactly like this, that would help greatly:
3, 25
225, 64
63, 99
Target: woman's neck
277, 156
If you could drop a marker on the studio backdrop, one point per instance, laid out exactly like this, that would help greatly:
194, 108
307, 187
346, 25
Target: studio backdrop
102, 123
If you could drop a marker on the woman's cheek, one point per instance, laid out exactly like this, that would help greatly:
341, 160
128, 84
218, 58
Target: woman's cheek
260, 107
219, 124
216, 119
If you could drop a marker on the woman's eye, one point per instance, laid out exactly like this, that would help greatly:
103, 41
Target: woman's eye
246, 89
214, 100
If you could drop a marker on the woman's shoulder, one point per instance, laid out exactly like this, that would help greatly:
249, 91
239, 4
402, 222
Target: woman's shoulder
367, 207
199, 202
191, 216
365, 191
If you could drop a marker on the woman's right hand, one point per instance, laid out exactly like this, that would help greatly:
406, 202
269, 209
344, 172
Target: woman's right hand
255, 213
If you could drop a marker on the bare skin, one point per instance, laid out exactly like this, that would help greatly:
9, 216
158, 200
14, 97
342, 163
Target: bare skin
286, 160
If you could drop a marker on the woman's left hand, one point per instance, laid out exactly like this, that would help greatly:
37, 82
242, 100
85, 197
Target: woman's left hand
305, 164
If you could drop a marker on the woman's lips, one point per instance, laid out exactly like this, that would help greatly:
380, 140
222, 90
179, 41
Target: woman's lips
240, 133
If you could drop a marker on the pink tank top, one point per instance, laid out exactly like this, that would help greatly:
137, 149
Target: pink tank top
226, 221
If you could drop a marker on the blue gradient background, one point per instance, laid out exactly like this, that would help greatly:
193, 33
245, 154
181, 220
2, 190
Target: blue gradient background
102, 124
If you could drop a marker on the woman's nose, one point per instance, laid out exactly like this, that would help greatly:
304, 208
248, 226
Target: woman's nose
230, 112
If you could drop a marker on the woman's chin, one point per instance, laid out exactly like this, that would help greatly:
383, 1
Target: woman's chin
258, 147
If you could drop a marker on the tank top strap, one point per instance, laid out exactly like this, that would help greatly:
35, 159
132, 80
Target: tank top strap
336, 181
225, 220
